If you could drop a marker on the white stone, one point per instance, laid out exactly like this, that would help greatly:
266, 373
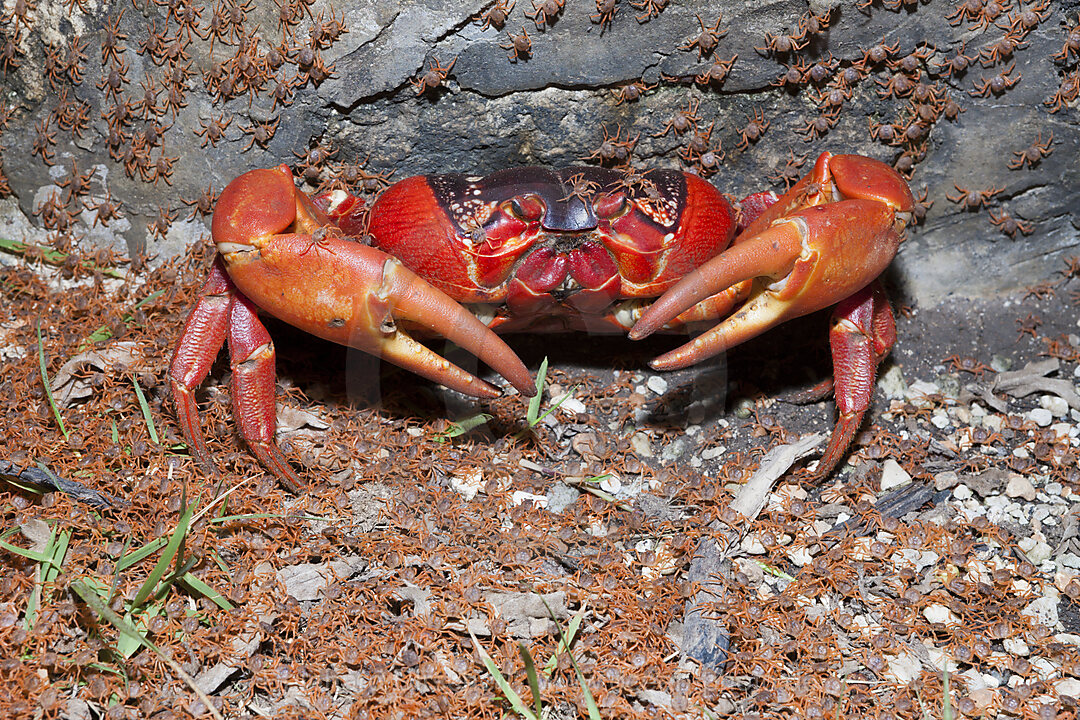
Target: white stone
919, 559
752, 545
639, 443
1043, 610
1020, 487
1016, 646
940, 420
940, 614
468, 483
713, 452
1057, 406
892, 383
1067, 686
800, 556
1063, 429
903, 667
674, 450
962, 492
611, 484
1036, 550
1040, 416
892, 475
918, 390
520, 496
573, 406
657, 384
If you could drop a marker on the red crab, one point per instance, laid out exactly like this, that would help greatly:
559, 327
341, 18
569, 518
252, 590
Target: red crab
586, 248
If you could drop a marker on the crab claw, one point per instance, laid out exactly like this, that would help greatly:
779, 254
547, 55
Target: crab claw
830, 236
283, 254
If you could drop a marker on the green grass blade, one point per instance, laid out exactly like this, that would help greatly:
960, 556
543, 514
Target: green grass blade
99, 587
146, 411
105, 332
53, 256
530, 673
100, 335
533, 412
220, 562
128, 644
45, 381
566, 641
127, 560
124, 628
46, 572
457, 429
555, 405
508, 692
206, 591
167, 556
57, 553
38, 557
774, 571
33, 603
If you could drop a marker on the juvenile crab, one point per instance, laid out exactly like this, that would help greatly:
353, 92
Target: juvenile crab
530, 249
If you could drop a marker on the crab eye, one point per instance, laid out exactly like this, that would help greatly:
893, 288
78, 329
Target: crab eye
612, 205
526, 208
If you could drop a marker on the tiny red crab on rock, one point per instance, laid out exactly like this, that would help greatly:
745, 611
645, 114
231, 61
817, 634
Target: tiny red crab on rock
531, 249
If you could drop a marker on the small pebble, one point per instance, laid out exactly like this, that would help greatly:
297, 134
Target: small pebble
945, 480
713, 452
520, 496
1067, 686
573, 406
892, 383
639, 443
1020, 487
611, 484
752, 545
1037, 551
1040, 416
657, 384
892, 475
1000, 363
1057, 406
962, 492
940, 615
1016, 646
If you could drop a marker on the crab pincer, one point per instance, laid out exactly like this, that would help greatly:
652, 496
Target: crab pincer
823, 243
279, 252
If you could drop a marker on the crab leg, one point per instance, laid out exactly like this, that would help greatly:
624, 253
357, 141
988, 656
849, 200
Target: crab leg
252, 358
862, 333
203, 335
223, 313
284, 256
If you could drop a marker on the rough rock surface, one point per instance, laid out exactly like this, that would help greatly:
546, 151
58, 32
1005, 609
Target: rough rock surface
552, 105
